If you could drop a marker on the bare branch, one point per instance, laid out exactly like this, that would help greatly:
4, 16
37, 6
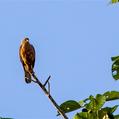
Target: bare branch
48, 95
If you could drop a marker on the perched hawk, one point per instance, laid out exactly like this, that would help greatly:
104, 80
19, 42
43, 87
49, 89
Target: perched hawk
27, 58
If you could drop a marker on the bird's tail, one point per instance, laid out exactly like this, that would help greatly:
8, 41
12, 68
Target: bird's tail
27, 77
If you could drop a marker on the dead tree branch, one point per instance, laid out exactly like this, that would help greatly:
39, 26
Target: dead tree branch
47, 93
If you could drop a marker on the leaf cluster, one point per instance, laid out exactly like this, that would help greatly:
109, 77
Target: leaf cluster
93, 106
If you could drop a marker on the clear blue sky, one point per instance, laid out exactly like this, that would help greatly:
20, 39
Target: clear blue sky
74, 41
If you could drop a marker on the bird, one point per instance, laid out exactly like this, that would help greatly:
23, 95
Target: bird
27, 58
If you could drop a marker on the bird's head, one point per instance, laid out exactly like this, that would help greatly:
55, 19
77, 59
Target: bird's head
25, 40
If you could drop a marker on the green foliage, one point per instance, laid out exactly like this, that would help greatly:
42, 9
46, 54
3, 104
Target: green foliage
96, 103
116, 117
69, 106
115, 1
111, 95
93, 106
5, 118
115, 67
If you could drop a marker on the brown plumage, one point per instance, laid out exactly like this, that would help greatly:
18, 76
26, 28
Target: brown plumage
27, 58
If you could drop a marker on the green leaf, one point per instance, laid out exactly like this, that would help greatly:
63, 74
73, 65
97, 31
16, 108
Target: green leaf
5, 118
91, 105
116, 117
115, 58
100, 100
96, 103
113, 109
109, 110
115, 67
111, 95
81, 102
115, 1
85, 115
69, 106
77, 116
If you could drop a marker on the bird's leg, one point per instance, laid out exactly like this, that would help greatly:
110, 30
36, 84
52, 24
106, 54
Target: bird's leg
35, 81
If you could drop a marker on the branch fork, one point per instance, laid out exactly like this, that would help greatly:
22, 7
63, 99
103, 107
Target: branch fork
47, 92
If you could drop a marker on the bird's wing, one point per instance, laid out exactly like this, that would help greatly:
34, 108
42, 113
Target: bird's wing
20, 51
34, 54
27, 75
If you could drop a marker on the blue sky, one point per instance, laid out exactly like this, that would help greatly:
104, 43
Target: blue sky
74, 41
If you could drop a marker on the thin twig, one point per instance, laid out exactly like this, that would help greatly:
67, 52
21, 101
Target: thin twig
49, 96
48, 87
47, 80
